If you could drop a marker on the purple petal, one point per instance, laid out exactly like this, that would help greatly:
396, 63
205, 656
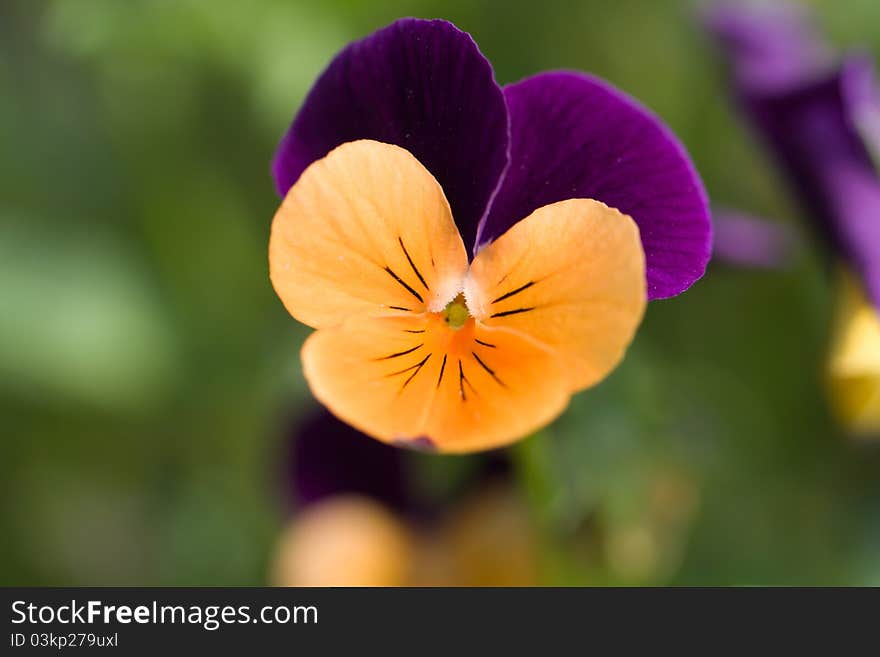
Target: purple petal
813, 136
862, 96
419, 84
771, 46
811, 122
854, 198
574, 136
328, 457
747, 241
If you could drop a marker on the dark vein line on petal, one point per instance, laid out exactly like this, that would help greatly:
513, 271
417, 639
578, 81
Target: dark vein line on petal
401, 353
462, 379
412, 264
512, 312
461, 382
485, 344
442, 369
418, 367
489, 370
516, 291
407, 287
404, 370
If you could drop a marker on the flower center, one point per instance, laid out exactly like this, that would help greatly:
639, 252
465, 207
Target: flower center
455, 313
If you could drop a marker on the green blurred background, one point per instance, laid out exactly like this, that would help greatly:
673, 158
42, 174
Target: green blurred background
146, 364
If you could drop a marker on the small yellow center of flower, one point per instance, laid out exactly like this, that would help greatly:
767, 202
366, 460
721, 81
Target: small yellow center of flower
455, 313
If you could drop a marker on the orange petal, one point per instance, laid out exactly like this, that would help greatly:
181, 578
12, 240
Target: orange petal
365, 230
502, 387
415, 381
570, 276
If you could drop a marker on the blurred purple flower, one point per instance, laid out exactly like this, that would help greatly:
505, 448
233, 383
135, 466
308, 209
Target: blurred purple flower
501, 153
327, 457
748, 241
817, 117
773, 46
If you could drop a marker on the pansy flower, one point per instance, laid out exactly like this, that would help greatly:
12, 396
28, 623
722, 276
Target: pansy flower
325, 458
361, 515
820, 118
361, 521
472, 255
349, 497
811, 111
